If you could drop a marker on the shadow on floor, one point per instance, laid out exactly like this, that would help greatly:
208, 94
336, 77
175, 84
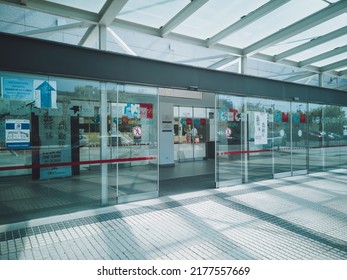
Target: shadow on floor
187, 177
186, 184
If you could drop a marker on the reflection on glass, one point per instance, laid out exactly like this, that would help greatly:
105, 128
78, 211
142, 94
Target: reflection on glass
229, 139
132, 142
191, 126
260, 156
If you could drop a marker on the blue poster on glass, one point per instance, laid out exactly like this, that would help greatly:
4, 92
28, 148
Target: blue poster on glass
17, 89
45, 94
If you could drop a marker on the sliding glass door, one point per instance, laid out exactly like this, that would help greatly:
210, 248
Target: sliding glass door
229, 145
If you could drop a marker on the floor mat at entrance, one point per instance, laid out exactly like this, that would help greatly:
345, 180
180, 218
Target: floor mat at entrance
186, 184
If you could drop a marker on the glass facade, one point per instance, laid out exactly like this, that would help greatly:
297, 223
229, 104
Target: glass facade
70, 144
261, 139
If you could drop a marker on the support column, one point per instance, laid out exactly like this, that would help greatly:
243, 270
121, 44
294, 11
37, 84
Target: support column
321, 79
103, 144
102, 37
243, 65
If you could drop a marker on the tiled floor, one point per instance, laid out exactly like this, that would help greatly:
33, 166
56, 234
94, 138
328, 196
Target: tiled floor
22, 198
302, 217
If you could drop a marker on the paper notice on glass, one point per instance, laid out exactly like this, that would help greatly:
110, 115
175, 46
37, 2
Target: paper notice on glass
260, 128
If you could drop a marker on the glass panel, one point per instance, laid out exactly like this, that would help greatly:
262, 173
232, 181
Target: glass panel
298, 137
11, 154
279, 126
314, 32
154, 13
199, 133
264, 26
229, 139
184, 149
343, 141
260, 113
200, 25
132, 128
322, 48
333, 122
92, 6
48, 137
317, 141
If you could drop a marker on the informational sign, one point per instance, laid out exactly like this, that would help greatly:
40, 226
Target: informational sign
17, 134
55, 146
45, 94
260, 128
17, 89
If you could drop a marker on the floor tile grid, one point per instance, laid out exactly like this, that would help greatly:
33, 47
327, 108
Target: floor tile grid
65, 235
185, 248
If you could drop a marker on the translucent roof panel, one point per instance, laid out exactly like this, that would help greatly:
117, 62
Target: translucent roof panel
154, 13
215, 16
317, 31
87, 5
214, 33
273, 22
330, 60
328, 46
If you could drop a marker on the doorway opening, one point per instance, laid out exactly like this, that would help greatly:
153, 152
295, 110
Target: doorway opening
187, 141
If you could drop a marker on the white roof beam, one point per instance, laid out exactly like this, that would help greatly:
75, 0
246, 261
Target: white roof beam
54, 29
323, 56
181, 16
287, 62
219, 65
110, 10
174, 36
90, 37
335, 65
107, 15
313, 43
299, 77
120, 42
323, 15
221, 56
246, 20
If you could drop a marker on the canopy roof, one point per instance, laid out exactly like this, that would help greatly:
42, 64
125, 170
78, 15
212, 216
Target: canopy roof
310, 35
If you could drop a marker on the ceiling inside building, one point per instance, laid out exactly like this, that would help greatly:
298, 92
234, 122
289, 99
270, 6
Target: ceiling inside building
309, 35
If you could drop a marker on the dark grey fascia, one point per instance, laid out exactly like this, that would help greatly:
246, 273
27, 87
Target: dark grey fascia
35, 56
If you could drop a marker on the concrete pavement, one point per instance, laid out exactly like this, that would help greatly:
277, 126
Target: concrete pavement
301, 217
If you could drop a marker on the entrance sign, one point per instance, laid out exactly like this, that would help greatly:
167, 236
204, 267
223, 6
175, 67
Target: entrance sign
45, 94
260, 128
17, 134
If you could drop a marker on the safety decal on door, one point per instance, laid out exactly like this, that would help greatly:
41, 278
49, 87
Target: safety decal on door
137, 131
228, 132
